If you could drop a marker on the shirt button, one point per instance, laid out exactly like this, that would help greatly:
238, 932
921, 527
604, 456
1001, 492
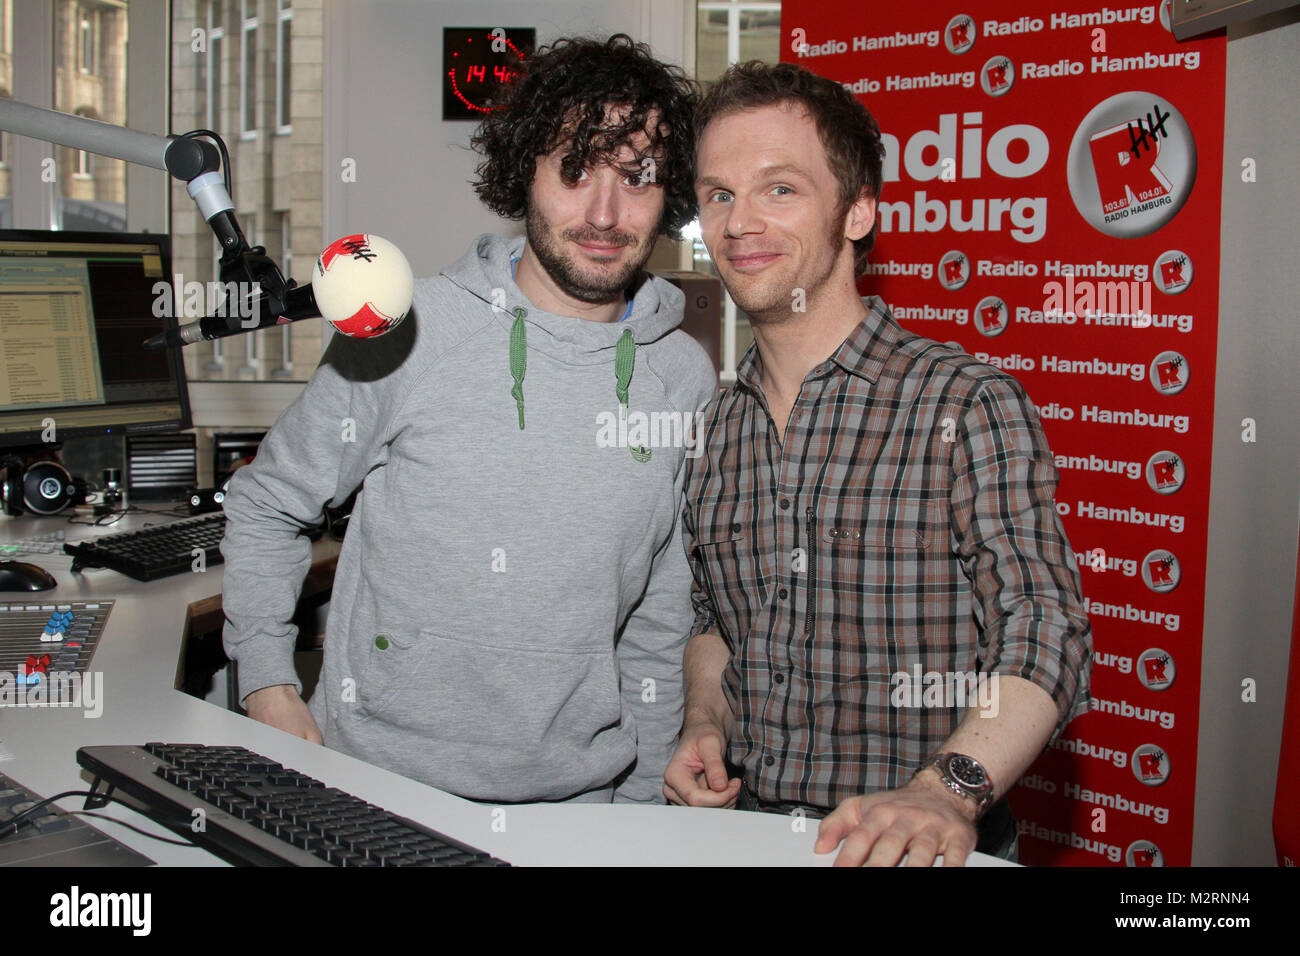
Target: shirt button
783, 594
735, 528
779, 678
769, 760
785, 504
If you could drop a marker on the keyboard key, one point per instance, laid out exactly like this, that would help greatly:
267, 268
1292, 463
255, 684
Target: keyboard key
259, 794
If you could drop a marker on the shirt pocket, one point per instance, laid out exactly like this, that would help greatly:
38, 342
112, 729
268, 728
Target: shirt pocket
725, 553
522, 698
903, 527
890, 557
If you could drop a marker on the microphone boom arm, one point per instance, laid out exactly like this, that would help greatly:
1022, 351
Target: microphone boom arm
191, 160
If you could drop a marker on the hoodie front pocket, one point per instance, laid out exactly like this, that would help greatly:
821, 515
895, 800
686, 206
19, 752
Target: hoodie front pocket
513, 696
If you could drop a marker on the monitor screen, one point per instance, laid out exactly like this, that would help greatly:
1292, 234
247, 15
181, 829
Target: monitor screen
75, 308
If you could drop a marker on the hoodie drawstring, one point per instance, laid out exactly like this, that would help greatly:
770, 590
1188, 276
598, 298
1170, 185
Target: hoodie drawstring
518, 361
624, 363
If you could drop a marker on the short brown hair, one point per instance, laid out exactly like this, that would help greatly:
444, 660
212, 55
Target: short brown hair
847, 131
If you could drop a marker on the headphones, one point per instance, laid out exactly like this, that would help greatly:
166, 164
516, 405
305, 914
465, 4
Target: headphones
43, 487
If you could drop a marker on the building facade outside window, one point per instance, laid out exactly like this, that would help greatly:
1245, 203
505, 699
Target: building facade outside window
275, 162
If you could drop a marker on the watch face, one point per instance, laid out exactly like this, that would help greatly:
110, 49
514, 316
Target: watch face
967, 771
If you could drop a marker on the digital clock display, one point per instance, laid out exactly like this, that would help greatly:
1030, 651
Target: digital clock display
477, 62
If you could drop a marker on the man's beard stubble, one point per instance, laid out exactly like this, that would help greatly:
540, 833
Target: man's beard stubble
566, 274
771, 302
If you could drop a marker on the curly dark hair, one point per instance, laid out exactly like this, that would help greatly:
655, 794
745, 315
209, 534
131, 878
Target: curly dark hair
562, 97
848, 133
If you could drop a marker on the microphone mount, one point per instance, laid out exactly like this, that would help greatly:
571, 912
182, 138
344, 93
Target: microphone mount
198, 163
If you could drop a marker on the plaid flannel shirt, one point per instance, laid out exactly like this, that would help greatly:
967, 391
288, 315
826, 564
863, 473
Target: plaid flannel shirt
906, 526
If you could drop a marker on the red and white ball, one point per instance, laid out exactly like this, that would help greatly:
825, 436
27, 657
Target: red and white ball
363, 285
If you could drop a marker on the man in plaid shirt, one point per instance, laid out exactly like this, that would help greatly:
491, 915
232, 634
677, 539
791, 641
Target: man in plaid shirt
888, 627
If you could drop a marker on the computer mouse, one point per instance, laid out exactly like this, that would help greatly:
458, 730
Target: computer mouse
21, 576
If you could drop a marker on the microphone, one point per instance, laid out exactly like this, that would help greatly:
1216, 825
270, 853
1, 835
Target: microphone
361, 284
301, 304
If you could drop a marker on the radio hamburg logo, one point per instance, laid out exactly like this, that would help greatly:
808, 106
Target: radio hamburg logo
1160, 571
991, 316
1150, 765
1169, 373
1172, 272
997, 76
959, 34
1143, 853
1165, 472
954, 270
1155, 669
1131, 165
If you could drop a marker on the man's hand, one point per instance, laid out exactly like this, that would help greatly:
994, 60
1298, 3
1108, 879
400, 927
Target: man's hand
282, 708
923, 819
697, 775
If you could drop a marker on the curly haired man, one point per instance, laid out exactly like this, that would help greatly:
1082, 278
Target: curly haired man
512, 598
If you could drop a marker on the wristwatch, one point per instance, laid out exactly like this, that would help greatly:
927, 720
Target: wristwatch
964, 776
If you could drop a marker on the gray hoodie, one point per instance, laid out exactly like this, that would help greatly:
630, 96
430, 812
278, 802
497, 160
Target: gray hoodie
511, 603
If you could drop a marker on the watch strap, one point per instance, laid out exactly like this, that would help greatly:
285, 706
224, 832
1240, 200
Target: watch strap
982, 795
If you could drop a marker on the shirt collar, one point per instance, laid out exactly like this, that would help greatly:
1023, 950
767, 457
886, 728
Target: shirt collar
863, 353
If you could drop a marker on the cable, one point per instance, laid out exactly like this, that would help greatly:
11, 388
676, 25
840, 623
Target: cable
113, 517
131, 826
18, 820
221, 145
15, 823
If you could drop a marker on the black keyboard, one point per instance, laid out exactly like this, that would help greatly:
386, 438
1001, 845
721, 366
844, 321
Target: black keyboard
154, 552
257, 812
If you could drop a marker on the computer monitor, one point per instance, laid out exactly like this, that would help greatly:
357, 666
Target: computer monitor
75, 308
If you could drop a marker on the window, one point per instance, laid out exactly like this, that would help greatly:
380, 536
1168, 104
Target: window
248, 69
216, 363
286, 246
212, 65
84, 167
90, 189
285, 369
283, 51
87, 36
4, 149
251, 341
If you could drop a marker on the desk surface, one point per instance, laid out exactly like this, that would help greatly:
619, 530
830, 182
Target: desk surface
138, 658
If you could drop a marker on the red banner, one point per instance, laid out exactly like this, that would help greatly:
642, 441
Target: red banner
1051, 203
